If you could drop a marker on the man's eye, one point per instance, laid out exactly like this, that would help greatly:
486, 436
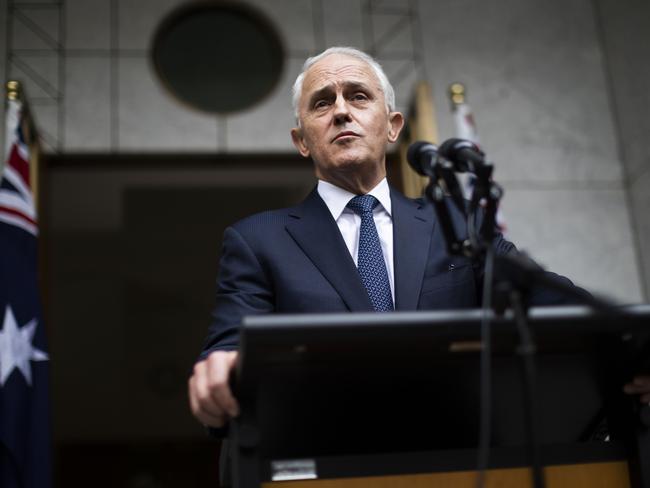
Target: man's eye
359, 96
321, 104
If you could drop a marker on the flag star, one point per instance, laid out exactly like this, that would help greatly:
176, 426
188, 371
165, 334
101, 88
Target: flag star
16, 348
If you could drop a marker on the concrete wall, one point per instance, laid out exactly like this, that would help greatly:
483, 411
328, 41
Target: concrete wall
99, 93
536, 75
538, 87
626, 45
535, 71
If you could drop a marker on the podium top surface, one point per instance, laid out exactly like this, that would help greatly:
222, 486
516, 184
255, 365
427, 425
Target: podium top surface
267, 337
578, 315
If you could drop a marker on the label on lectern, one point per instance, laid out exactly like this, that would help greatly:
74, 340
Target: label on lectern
293, 469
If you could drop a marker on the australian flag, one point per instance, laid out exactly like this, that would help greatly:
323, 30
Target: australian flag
25, 458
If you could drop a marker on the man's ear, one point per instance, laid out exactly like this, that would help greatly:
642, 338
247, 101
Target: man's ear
299, 142
396, 123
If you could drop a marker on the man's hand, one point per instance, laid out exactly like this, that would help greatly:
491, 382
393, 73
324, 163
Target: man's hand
640, 385
211, 400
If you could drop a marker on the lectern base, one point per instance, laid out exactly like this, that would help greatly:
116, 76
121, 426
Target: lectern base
592, 475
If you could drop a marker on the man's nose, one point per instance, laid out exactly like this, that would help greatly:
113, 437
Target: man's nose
341, 110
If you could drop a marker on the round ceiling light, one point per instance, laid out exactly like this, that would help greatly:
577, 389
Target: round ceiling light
218, 57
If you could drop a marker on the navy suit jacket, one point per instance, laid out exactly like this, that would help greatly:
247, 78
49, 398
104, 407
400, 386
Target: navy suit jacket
294, 260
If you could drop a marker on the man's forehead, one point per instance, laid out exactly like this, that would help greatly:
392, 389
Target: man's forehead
339, 69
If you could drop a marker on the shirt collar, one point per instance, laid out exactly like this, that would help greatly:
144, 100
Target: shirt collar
337, 198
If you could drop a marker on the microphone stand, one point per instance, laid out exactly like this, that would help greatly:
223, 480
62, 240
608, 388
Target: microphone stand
512, 271
515, 276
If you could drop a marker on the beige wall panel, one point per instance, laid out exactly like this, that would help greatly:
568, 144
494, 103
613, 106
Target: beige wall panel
88, 24
584, 234
137, 21
343, 20
149, 119
87, 104
267, 126
535, 81
640, 202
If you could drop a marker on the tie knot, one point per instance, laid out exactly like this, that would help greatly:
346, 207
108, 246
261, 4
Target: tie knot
363, 204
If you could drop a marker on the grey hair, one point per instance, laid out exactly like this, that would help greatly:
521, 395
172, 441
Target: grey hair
386, 87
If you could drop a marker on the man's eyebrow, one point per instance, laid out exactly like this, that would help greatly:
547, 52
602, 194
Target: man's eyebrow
320, 93
328, 89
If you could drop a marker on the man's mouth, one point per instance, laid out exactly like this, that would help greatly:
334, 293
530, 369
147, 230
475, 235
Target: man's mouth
347, 133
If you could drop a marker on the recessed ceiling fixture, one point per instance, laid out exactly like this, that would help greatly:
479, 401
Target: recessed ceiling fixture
218, 57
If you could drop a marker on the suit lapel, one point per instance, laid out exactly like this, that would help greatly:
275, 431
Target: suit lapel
317, 234
412, 229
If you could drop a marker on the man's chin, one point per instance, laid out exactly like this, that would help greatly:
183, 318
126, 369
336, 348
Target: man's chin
351, 168
351, 160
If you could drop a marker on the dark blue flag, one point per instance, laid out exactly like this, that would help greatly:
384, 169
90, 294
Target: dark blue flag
25, 445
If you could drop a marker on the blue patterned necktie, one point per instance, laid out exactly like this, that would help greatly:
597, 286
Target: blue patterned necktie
370, 261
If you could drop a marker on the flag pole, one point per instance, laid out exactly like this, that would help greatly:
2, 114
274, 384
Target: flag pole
16, 95
12, 96
19, 107
25, 430
463, 116
421, 124
456, 94
13, 90
466, 129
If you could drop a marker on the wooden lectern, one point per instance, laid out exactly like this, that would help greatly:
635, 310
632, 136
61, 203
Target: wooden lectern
392, 400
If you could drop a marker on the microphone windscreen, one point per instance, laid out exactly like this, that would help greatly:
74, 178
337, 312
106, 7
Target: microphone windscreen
451, 147
419, 155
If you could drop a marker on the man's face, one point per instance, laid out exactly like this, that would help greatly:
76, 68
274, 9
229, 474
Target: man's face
344, 122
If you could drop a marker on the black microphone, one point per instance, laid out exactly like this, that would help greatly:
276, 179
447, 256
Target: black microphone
465, 155
422, 157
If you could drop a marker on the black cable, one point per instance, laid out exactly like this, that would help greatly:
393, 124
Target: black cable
485, 402
472, 234
526, 350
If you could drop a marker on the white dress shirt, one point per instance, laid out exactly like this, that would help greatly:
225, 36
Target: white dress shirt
349, 222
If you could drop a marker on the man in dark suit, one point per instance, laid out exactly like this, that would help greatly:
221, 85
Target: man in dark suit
354, 244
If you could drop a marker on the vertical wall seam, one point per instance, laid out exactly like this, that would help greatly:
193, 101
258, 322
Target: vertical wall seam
318, 25
113, 82
620, 146
62, 77
367, 27
417, 39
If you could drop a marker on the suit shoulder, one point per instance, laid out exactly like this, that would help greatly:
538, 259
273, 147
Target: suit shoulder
399, 197
266, 220
420, 201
